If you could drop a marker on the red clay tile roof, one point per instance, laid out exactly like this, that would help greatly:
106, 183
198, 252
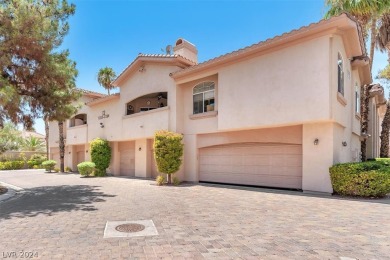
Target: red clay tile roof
140, 55
270, 41
85, 91
102, 99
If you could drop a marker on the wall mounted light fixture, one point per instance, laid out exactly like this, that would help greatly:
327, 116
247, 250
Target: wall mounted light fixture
101, 125
344, 143
316, 141
140, 149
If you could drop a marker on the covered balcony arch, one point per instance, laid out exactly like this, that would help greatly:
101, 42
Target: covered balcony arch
77, 120
146, 103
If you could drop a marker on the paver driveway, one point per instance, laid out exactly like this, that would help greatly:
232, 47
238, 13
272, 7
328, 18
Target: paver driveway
63, 216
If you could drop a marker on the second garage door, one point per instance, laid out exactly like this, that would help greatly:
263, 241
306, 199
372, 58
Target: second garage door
272, 165
127, 162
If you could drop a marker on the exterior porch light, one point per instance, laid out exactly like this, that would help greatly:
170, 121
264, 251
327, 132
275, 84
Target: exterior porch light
101, 125
344, 143
316, 141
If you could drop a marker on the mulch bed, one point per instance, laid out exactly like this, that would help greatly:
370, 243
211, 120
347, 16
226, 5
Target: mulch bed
3, 189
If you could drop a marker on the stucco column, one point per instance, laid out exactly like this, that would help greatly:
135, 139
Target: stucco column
190, 158
114, 167
87, 152
142, 162
317, 158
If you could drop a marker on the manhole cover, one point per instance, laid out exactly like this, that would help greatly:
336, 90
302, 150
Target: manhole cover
130, 228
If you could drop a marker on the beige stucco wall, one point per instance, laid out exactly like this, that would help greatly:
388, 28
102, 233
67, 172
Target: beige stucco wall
276, 88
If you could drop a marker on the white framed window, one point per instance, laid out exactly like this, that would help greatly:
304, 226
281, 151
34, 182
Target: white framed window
357, 98
204, 97
340, 74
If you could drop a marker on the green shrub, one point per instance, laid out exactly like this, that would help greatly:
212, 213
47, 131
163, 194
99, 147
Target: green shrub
49, 165
56, 169
100, 155
86, 168
366, 179
36, 159
176, 181
168, 152
160, 180
68, 169
12, 165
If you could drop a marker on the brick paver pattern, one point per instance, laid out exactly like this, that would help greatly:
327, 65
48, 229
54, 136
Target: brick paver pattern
63, 216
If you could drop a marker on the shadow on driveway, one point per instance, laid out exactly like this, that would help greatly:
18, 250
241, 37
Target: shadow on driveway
385, 200
51, 199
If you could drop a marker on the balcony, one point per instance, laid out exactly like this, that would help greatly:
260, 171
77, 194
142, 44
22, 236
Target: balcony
145, 124
77, 135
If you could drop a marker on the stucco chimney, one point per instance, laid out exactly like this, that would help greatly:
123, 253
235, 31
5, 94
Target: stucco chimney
186, 49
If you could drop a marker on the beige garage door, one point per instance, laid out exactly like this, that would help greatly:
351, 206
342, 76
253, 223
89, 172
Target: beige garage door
80, 157
276, 165
127, 162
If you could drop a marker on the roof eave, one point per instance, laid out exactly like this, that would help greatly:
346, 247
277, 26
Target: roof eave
344, 21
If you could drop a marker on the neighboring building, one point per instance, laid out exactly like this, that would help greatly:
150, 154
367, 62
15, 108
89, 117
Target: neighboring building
278, 113
27, 134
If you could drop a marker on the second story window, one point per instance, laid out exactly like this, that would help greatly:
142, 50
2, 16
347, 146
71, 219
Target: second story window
204, 97
340, 74
357, 99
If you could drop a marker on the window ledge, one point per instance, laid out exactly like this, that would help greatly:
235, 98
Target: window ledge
77, 126
146, 112
341, 99
357, 116
204, 115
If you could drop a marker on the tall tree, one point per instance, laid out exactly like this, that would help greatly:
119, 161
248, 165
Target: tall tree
105, 77
366, 13
30, 32
10, 137
383, 44
65, 107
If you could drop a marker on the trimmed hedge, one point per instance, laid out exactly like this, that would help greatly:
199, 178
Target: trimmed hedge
168, 152
12, 165
365, 179
36, 160
49, 165
86, 168
100, 155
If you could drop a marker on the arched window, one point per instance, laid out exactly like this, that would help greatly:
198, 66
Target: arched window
80, 119
204, 97
340, 74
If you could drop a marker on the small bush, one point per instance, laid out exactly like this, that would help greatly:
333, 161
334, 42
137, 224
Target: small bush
36, 159
86, 168
160, 180
68, 169
168, 152
49, 165
176, 181
366, 179
100, 156
12, 165
56, 169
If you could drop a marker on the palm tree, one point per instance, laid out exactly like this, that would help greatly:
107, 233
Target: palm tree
366, 13
33, 144
383, 44
105, 77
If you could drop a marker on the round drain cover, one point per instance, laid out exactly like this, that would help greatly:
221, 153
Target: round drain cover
130, 228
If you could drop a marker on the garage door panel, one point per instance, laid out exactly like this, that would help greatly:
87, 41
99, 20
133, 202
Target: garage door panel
253, 164
127, 162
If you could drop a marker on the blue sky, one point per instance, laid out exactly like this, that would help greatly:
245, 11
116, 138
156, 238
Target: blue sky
112, 33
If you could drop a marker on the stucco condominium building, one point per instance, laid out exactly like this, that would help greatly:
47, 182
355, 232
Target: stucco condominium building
277, 113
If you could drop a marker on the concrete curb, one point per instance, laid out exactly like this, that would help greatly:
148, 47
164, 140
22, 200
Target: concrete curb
12, 191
